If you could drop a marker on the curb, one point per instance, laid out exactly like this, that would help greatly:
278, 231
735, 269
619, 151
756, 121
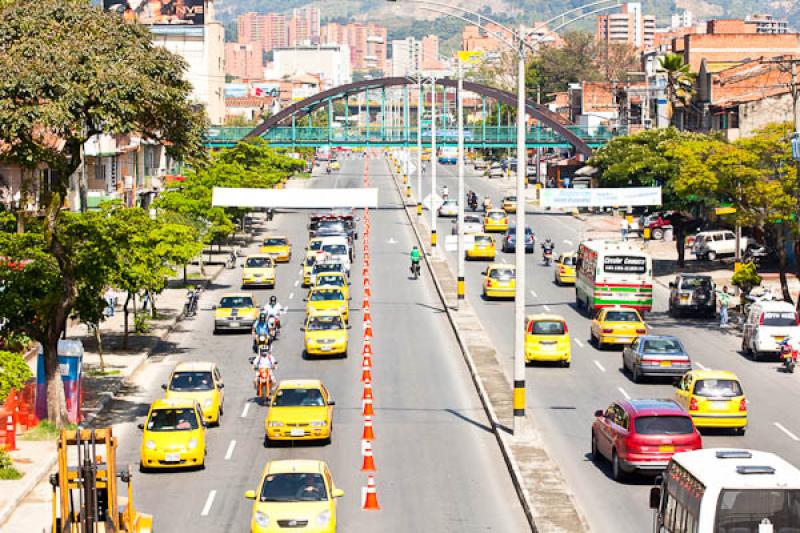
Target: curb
30, 481
505, 447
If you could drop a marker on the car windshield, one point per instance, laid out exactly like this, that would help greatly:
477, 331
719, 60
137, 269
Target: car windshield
293, 487
547, 327
510, 199
275, 241
622, 316
289, 397
450, 203
327, 267
718, 388
472, 220
497, 215
747, 510
236, 301
315, 245
502, 274
332, 225
326, 295
663, 425
258, 262
483, 239
173, 420
191, 381
779, 318
338, 281
324, 323
512, 231
665, 346
335, 249
695, 283
310, 261
568, 260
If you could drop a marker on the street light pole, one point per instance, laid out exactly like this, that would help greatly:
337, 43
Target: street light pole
420, 107
432, 206
461, 194
519, 252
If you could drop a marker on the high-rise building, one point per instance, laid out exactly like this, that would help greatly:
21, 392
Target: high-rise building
304, 26
270, 30
331, 63
411, 56
629, 27
367, 43
244, 60
767, 24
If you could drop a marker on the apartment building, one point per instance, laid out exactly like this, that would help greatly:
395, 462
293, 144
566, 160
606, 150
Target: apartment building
304, 27
244, 60
367, 43
411, 56
270, 30
629, 27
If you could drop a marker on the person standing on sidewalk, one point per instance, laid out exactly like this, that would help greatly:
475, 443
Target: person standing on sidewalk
110, 297
623, 229
724, 299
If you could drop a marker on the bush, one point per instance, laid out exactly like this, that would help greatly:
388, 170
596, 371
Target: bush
746, 278
7, 470
14, 372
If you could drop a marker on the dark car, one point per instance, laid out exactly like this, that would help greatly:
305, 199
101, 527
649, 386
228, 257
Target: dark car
510, 240
642, 435
692, 294
656, 355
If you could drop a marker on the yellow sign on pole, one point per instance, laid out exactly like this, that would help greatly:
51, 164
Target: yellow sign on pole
469, 56
725, 210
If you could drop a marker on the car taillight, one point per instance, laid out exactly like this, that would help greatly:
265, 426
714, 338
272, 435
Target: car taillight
641, 331
608, 330
566, 328
743, 404
488, 283
693, 404
761, 319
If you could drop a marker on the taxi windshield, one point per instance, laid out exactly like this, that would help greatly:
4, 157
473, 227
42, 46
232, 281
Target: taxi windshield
191, 381
568, 260
497, 215
324, 323
718, 388
293, 487
502, 274
258, 262
290, 397
275, 241
510, 198
326, 295
310, 261
622, 316
184, 419
335, 249
548, 327
327, 267
330, 280
236, 301
483, 239
471, 219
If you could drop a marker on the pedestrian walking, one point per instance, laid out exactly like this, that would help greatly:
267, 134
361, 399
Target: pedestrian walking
623, 228
724, 299
110, 296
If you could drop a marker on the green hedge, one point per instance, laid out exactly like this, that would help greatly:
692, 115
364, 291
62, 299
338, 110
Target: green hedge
14, 372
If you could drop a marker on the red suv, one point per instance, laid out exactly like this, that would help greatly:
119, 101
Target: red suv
642, 435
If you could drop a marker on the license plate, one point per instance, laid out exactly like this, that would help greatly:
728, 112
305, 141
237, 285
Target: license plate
624, 339
234, 324
666, 363
780, 339
719, 406
325, 348
298, 432
684, 298
666, 449
172, 458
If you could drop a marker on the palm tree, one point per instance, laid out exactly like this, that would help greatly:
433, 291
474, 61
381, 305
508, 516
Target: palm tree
680, 81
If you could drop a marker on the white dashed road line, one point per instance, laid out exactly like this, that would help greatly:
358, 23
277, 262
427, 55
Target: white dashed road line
291, 295
701, 365
209, 503
546, 307
627, 396
229, 453
598, 365
789, 433
579, 343
296, 282
246, 408
566, 241
534, 294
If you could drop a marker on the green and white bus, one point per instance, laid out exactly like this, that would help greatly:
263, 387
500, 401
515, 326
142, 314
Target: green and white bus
611, 273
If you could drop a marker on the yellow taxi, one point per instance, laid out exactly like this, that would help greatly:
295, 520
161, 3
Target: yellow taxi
278, 247
333, 279
564, 269
616, 325
235, 311
300, 409
509, 204
174, 435
482, 247
325, 333
426, 155
327, 299
258, 270
335, 165
294, 493
314, 246
308, 267
200, 381
714, 399
547, 339
495, 220
499, 281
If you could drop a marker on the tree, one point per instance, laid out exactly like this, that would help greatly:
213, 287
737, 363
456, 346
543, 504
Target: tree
69, 71
554, 68
680, 81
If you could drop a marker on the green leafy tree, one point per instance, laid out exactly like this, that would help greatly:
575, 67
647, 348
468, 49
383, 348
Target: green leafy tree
69, 71
554, 68
680, 81
14, 372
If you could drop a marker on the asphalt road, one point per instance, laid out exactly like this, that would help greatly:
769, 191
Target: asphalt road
563, 400
438, 464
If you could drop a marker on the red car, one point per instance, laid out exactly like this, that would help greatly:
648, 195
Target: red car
642, 435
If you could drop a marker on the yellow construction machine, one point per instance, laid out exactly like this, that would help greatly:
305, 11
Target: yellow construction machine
85, 496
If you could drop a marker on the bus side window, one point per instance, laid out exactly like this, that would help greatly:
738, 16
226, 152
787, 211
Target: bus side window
669, 513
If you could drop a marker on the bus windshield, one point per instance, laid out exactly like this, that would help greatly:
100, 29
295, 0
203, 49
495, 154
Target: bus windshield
746, 509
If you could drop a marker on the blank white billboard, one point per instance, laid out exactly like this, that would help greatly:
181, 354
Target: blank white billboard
296, 198
622, 197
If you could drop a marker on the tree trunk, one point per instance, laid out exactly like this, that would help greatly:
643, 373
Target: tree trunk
99, 339
184, 274
153, 312
125, 322
782, 266
680, 243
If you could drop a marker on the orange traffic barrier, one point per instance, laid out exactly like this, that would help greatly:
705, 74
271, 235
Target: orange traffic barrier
367, 394
367, 410
366, 360
367, 290
365, 306
11, 433
367, 350
368, 460
371, 500
368, 434
366, 373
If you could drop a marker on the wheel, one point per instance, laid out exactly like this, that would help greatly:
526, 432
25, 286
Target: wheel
565, 364
756, 354
712, 255
745, 348
616, 468
657, 234
594, 454
740, 431
636, 374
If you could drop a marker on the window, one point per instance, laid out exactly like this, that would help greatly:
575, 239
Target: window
191, 381
718, 388
324, 323
663, 425
236, 301
662, 346
275, 242
258, 262
173, 420
622, 316
298, 398
745, 509
780, 319
547, 327
294, 487
502, 274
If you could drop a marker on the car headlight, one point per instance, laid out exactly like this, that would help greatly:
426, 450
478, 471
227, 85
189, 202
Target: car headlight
324, 518
262, 519
192, 444
342, 308
318, 423
150, 445
275, 424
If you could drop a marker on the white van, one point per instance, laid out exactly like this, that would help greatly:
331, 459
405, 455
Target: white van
767, 324
338, 248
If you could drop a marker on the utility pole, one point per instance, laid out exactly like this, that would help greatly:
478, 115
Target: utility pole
433, 165
420, 107
461, 194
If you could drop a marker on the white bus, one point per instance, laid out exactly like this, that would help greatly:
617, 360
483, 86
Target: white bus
610, 273
727, 491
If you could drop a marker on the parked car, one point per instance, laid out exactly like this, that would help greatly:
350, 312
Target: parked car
692, 293
642, 435
768, 323
712, 244
510, 240
654, 356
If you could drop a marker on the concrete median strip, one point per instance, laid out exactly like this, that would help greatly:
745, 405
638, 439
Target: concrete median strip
545, 497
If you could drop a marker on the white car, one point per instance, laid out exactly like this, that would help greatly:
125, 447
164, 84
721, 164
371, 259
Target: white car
712, 244
338, 249
495, 171
472, 224
449, 208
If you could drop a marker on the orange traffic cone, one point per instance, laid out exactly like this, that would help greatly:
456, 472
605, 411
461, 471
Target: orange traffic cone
368, 331
367, 394
366, 361
367, 290
367, 410
371, 499
365, 306
366, 373
368, 461
368, 434
367, 350
365, 271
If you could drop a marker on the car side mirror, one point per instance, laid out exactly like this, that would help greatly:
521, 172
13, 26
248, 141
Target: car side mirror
671, 284
164, 386
302, 328
599, 413
214, 307
221, 385
331, 402
349, 326
250, 495
655, 497
305, 299
337, 493
140, 426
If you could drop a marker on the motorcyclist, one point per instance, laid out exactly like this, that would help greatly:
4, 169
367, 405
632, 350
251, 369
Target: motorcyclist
547, 247
445, 192
415, 257
274, 309
261, 327
266, 360
487, 203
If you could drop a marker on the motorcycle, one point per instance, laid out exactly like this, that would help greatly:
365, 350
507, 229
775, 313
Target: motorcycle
788, 355
473, 204
262, 342
415, 269
192, 298
273, 325
230, 263
548, 256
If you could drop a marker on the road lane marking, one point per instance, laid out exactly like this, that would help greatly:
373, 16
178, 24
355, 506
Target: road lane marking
229, 453
534, 294
296, 282
546, 307
291, 295
502, 259
579, 343
209, 503
627, 396
567, 241
701, 365
598, 365
791, 435
246, 408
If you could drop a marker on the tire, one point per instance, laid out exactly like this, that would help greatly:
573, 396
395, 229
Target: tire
636, 375
745, 348
657, 234
756, 354
617, 474
711, 256
594, 453
565, 364
740, 431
